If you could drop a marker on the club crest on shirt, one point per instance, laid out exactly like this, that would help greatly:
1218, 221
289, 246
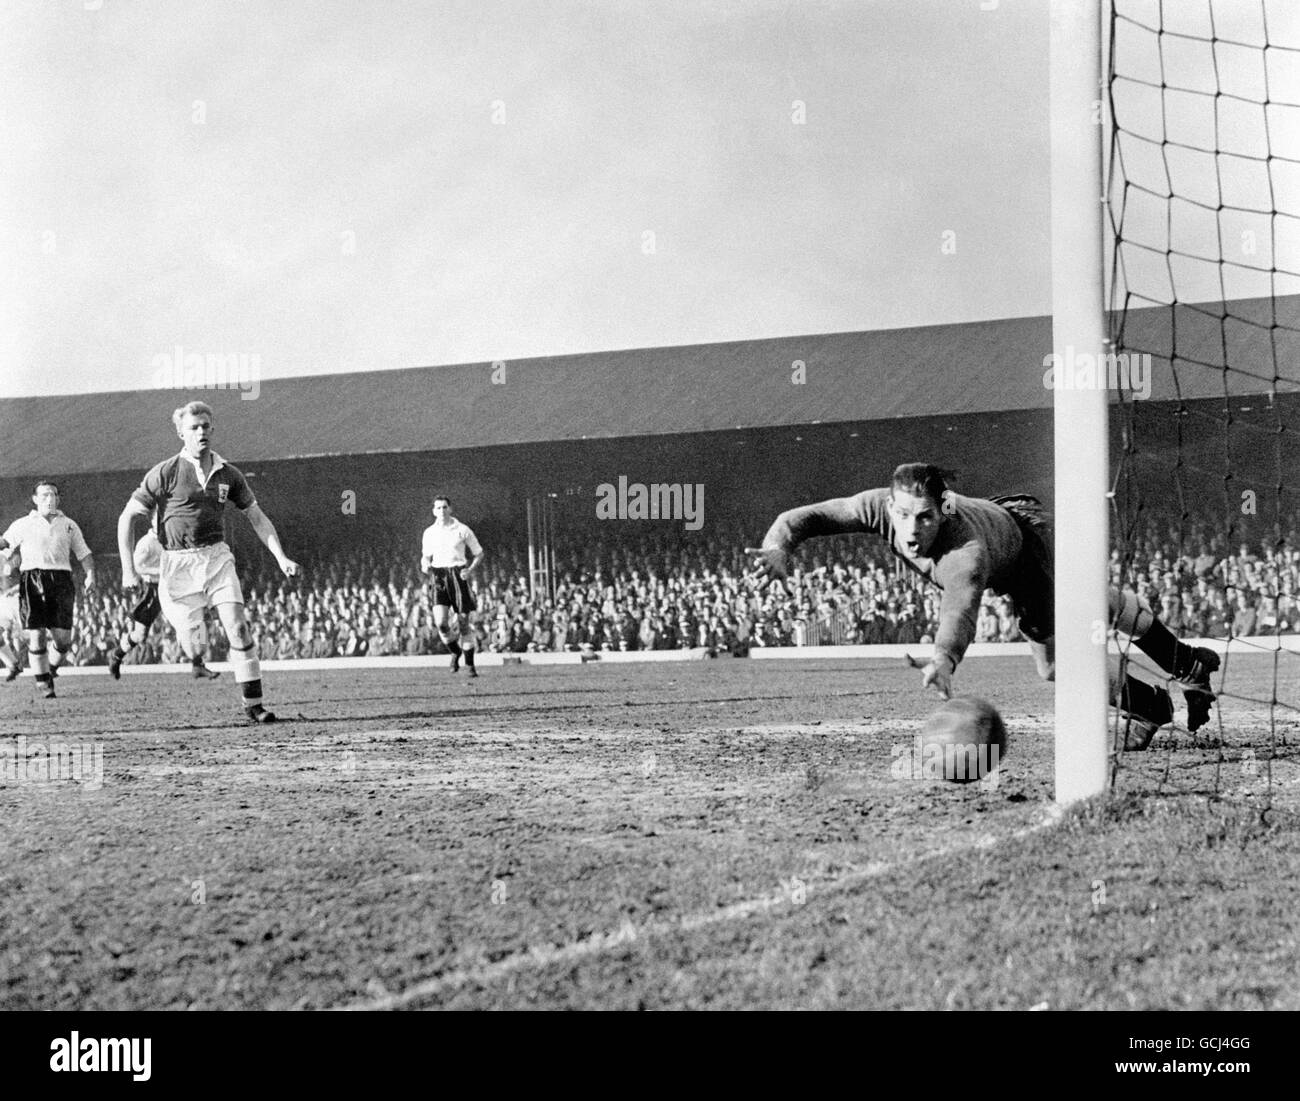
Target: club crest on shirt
223, 491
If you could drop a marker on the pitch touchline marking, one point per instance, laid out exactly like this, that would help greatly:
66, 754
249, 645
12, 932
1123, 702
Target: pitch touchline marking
544, 955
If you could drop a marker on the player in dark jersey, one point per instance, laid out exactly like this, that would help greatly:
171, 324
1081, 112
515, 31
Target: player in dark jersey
968, 544
197, 570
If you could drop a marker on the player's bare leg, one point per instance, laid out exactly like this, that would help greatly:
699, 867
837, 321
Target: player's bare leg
133, 639
139, 632
197, 647
1191, 666
243, 660
442, 621
39, 660
467, 644
60, 644
199, 669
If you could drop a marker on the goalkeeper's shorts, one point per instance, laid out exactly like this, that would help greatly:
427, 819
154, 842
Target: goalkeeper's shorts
1032, 588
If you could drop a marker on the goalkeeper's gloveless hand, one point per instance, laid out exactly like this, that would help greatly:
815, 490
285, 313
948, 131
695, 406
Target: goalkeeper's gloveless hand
938, 675
770, 564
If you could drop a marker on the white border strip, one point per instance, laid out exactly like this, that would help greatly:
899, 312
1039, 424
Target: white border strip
1260, 644
890, 651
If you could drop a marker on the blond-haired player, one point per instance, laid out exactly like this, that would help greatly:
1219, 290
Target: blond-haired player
197, 569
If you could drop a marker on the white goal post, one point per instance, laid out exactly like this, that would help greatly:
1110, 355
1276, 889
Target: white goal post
1081, 455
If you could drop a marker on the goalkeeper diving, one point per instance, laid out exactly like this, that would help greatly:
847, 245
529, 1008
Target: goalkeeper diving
965, 545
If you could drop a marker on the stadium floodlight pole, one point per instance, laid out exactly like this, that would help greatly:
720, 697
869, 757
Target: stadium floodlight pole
1079, 419
548, 548
532, 550
541, 553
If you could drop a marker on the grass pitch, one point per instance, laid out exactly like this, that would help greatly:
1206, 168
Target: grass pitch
729, 834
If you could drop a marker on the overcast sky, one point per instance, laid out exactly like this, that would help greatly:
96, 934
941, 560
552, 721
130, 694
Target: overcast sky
337, 186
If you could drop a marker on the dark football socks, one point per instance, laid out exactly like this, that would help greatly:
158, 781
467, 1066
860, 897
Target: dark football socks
1146, 701
1174, 657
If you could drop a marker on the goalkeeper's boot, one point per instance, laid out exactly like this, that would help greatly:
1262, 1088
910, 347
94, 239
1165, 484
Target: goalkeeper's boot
1138, 732
14, 672
469, 661
1194, 676
199, 671
1144, 709
115, 665
47, 686
259, 714
455, 661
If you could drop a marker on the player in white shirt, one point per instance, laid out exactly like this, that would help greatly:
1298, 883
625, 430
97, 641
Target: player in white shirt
148, 562
450, 553
47, 540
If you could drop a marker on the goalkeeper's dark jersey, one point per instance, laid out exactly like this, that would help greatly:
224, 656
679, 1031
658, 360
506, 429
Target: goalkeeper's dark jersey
978, 547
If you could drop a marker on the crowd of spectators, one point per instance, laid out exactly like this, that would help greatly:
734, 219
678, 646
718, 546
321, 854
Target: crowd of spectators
657, 590
1214, 586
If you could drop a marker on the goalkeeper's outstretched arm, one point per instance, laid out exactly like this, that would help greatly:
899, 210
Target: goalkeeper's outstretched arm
864, 512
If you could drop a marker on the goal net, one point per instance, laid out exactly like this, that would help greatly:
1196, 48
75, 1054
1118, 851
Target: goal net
1203, 302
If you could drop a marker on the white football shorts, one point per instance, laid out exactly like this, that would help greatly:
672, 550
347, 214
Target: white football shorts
191, 580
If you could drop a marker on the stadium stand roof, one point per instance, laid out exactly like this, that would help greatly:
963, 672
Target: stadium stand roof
987, 366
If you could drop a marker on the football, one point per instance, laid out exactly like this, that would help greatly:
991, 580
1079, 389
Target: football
964, 740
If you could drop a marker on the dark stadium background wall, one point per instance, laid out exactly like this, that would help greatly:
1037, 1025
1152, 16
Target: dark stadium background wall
746, 473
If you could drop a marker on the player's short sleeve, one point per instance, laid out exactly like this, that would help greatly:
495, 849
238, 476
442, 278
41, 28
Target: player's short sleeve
471, 543
241, 496
80, 548
14, 535
151, 492
426, 543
